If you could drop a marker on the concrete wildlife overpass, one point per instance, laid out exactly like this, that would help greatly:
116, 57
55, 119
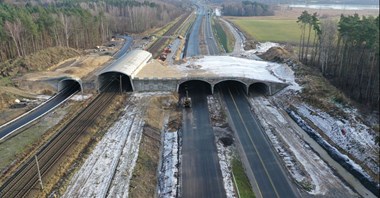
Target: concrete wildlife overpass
137, 71
213, 71
123, 70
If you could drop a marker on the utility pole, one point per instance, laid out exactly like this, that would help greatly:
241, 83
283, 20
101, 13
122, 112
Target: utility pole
39, 172
121, 85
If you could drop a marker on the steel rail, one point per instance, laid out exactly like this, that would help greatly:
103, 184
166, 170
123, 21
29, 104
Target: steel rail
26, 177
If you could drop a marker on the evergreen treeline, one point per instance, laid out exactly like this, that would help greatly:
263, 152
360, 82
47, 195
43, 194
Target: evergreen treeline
29, 27
247, 8
347, 53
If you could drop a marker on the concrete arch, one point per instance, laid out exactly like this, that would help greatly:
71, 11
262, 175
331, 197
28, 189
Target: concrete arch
121, 72
232, 82
260, 88
194, 84
69, 83
114, 81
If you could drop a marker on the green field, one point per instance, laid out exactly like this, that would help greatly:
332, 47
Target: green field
275, 30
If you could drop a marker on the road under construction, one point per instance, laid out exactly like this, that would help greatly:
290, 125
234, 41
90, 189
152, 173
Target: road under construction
135, 71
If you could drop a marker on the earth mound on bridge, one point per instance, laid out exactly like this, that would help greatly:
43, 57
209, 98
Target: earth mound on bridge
276, 54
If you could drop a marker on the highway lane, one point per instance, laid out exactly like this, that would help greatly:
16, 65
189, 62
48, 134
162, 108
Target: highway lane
10, 128
210, 39
192, 45
201, 175
270, 178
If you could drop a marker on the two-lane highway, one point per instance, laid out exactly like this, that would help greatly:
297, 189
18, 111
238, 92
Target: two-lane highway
201, 175
270, 178
36, 113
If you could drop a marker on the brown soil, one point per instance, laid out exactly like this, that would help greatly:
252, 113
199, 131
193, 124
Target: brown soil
80, 67
36, 62
144, 179
276, 54
144, 182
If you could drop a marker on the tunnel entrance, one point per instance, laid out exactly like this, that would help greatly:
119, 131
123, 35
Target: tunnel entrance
231, 85
69, 84
258, 88
195, 86
114, 81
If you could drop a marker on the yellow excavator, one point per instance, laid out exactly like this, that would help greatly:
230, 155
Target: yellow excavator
187, 100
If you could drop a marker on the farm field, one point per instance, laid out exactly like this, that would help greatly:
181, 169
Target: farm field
283, 27
274, 30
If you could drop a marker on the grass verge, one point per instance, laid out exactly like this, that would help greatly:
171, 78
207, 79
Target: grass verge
275, 30
225, 37
241, 180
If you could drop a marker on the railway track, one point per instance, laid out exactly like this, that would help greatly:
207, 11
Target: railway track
26, 177
155, 47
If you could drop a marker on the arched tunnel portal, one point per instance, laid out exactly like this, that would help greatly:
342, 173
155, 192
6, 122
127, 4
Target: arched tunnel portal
114, 81
231, 85
258, 88
195, 86
70, 84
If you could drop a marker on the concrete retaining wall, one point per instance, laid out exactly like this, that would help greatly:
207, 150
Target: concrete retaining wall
155, 84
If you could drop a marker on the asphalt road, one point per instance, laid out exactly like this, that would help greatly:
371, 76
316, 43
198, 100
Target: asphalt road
201, 175
36, 113
210, 39
192, 46
270, 178
126, 47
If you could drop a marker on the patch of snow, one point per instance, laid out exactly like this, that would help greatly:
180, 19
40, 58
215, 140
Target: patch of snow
303, 164
225, 154
43, 97
218, 12
225, 158
343, 159
263, 47
168, 174
350, 135
285, 73
80, 97
107, 171
233, 67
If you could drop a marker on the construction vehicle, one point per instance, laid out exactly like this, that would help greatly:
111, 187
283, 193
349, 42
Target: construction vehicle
187, 100
167, 50
163, 56
165, 53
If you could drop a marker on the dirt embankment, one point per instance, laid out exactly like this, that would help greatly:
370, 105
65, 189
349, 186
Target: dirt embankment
161, 112
316, 91
319, 93
37, 61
